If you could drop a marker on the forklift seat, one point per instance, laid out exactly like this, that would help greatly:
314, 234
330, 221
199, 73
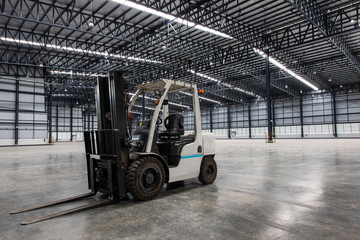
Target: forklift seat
174, 125
171, 141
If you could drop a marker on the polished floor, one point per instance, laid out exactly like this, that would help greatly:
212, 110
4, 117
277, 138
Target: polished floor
292, 189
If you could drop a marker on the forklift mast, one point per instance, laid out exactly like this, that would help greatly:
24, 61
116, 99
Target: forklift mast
107, 150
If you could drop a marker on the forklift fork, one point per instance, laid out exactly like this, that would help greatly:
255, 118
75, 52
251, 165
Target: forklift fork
68, 211
107, 151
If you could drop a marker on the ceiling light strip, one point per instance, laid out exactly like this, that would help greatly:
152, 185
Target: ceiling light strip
79, 50
282, 67
77, 73
171, 18
203, 98
225, 84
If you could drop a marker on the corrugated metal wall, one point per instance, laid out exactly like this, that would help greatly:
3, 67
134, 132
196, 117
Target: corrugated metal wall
317, 118
63, 129
22, 111
29, 120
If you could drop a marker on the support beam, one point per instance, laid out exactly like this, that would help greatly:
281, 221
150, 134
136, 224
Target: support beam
334, 115
314, 14
92, 122
50, 114
57, 123
74, 20
83, 117
71, 123
268, 97
88, 113
109, 30
247, 36
2, 6
273, 118
16, 133
229, 122
249, 117
301, 116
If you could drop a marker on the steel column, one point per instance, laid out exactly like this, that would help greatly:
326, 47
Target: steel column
268, 97
50, 114
273, 118
229, 124
71, 123
17, 112
301, 117
2, 6
84, 116
88, 113
57, 123
334, 115
83, 119
249, 117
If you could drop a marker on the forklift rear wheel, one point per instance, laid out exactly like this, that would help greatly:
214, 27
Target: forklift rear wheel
145, 178
208, 170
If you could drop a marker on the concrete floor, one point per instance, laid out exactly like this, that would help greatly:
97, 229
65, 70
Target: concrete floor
293, 189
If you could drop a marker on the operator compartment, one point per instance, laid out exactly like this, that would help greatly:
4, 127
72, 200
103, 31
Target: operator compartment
171, 141
162, 132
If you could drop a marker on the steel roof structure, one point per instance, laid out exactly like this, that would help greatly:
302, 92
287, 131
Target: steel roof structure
216, 44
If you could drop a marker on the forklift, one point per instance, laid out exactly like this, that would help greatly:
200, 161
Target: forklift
120, 163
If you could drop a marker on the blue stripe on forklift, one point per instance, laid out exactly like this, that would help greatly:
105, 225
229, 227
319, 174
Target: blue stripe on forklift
192, 156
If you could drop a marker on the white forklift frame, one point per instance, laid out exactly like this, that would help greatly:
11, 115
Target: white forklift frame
111, 169
192, 153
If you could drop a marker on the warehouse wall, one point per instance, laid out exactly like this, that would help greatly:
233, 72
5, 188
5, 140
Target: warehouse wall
65, 129
318, 118
22, 111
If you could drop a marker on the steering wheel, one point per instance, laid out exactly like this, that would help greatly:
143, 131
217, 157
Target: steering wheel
158, 120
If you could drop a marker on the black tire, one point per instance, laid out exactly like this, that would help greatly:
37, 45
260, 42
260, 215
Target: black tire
145, 178
208, 170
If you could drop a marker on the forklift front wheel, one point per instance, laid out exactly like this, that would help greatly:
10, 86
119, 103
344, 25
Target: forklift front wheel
145, 178
208, 170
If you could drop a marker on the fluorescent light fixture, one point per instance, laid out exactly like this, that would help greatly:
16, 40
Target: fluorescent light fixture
281, 66
203, 98
171, 18
240, 89
184, 22
172, 103
204, 76
145, 9
213, 31
225, 84
79, 50
77, 73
